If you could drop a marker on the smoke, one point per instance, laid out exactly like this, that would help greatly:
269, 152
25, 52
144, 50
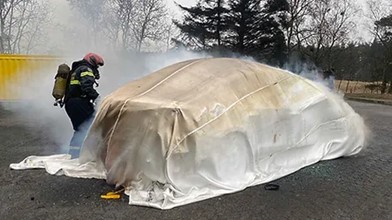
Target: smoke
35, 90
120, 68
71, 41
70, 36
35, 107
310, 71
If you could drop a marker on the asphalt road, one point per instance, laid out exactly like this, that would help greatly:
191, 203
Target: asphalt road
358, 187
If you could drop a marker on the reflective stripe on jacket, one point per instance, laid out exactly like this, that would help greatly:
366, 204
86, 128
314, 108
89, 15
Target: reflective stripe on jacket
81, 83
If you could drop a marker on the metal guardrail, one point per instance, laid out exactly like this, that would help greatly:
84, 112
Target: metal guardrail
18, 69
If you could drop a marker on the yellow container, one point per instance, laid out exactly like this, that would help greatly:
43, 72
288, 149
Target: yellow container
19, 69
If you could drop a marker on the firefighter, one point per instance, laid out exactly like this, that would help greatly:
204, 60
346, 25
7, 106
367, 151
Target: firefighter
80, 97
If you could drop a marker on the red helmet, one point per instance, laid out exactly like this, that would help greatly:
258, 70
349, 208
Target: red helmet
94, 59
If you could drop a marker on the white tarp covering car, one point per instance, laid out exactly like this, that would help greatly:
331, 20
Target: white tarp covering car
206, 127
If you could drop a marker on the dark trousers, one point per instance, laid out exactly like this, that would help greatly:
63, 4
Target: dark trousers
81, 113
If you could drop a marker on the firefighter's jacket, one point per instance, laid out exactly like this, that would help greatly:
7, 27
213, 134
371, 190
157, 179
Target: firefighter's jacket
81, 82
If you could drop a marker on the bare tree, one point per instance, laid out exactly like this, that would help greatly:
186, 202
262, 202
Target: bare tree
329, 24
380, 16
140, 21
376, 11
130, 24
124, 14
7, 23
21, 23
170, 32
33, 35
149, 22
297, 15
94, 13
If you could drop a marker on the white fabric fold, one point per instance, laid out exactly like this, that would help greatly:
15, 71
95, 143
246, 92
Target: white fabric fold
61, 164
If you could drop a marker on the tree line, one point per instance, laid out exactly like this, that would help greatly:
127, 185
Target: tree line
285, 33
132, 25
290, 33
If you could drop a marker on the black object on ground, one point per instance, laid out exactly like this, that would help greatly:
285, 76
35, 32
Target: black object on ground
271, 186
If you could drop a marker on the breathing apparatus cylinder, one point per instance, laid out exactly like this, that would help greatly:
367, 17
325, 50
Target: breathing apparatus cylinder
60, 83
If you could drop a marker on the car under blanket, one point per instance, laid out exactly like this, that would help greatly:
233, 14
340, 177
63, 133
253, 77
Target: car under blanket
206, 127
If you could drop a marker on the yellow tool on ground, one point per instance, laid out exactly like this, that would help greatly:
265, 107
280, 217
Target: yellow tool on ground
112, 195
